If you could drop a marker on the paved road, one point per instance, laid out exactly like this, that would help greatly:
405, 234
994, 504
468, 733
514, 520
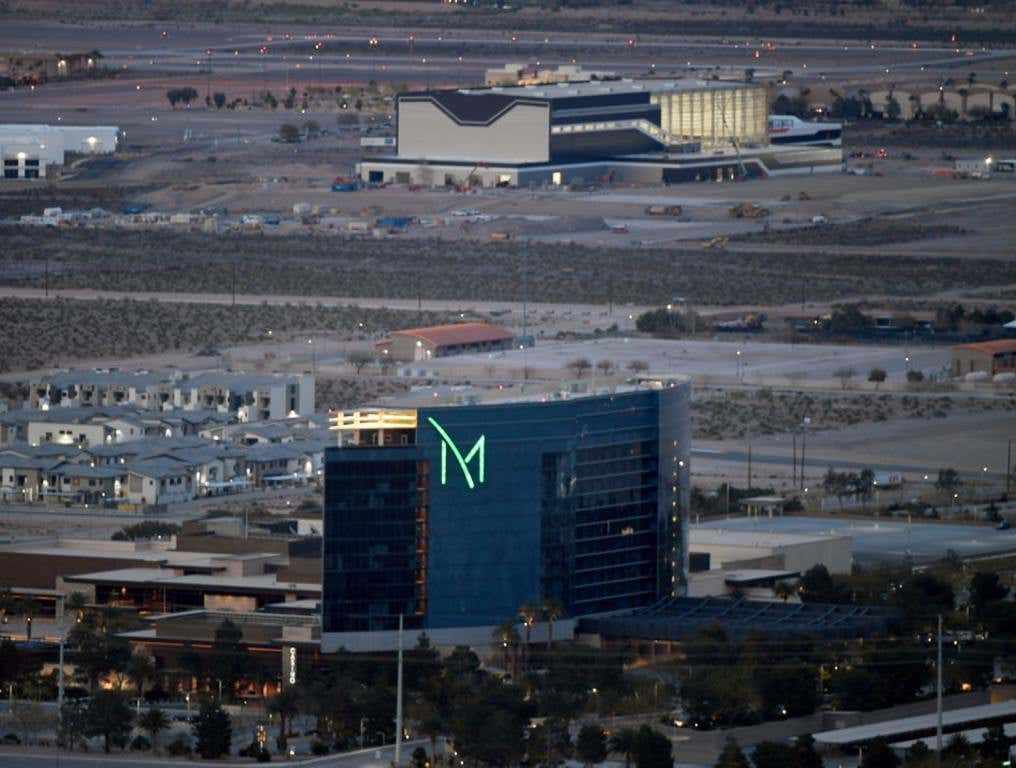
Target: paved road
367, 758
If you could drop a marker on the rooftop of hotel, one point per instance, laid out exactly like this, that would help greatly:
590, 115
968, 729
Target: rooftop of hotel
431, 397
607, 86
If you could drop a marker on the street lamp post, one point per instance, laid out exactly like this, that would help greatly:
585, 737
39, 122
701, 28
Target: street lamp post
805, 423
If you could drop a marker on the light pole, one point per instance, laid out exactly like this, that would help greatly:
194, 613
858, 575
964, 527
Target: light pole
398, 702
805, 423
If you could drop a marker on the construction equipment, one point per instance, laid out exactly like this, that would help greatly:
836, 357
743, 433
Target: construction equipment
717, 243
748, 211
664, 210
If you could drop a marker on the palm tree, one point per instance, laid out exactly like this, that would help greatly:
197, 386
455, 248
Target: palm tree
141, 670
964, 95
552, 611
624, 742
783, 590
528, 612
76, 602
154, 721
431, 725
508, 636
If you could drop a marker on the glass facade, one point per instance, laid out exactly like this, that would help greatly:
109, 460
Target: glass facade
714, 115
578, 499
375, 540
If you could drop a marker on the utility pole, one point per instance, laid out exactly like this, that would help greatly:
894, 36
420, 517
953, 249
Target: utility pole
47, 296
793, 470
525, 315
749, 469
60, 684
938, 698
804, 432
398, 703
1008, 467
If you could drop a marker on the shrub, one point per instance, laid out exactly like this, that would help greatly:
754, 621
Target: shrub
179, 747
318, 747
140, 744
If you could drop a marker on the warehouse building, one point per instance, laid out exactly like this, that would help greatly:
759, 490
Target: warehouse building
28, 150
646, 131
454, 515
989, 357
733, 549
416, 344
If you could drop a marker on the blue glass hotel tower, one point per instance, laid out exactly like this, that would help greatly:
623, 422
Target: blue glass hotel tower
454, 515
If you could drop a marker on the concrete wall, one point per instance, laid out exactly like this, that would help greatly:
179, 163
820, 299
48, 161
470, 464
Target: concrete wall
521, 135
966, 361
89, 434
836, 554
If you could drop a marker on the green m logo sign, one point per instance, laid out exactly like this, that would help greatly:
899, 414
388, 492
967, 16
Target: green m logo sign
478, 451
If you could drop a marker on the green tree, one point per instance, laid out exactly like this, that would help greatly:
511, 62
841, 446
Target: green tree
790, 691
995, 746
75, 605
948, 480
286, 705
219, 99
97, 648
141, 670
591, 744
528, 613
552, 610
230, 658
192, 666
289, 133
10, 661
549, 744
623, 743
773, 754
653, 749
805, 754
109, 715
731, 756
419, 758
877, 376
73, 725
892, 109
917, 754
879, 755
153, 722
213, 730
985, 591
489, 724
818, 586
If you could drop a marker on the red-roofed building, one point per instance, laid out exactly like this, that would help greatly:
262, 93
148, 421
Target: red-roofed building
991, 357
444, 340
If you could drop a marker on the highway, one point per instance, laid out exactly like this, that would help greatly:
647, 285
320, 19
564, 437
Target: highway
365, 758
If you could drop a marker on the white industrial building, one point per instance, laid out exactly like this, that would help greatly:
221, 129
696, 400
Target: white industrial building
737, 550
28, 149
644, 131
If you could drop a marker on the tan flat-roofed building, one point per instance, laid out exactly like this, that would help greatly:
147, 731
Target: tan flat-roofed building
990, 357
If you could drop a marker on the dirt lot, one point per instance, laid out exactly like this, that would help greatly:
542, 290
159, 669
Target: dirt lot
43, 334
396, 268
724, 414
